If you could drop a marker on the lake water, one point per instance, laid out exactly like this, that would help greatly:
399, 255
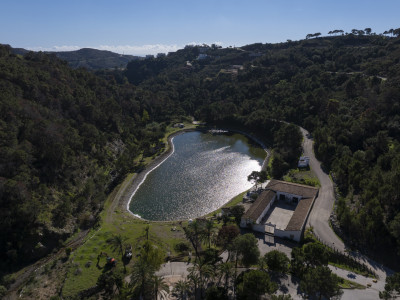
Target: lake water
204, 172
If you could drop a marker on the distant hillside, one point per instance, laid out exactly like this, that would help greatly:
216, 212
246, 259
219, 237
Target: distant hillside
94, 59
91, 59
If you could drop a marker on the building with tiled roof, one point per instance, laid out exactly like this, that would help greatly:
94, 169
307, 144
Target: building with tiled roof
302, 196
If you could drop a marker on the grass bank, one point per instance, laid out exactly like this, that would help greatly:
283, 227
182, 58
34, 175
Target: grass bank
88, 261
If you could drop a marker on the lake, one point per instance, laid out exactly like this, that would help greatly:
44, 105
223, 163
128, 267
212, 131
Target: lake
203, 173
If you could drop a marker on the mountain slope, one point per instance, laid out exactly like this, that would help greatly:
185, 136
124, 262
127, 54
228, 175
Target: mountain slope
91, 59
67, 137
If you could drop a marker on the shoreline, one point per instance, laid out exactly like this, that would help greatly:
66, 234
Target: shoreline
136, 180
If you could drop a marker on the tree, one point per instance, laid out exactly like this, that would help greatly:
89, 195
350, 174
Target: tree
277, 261
278, 166
368, 30
226, 235
255, 284
193, 233
237, 212
320, 283
150, 260
182, 247
117, 242
158, 285
392, 287
181, 289
200, 274
208, 232
255, 177
110, 282
246, 249
315, 254
298, 261
216, 293
226, 270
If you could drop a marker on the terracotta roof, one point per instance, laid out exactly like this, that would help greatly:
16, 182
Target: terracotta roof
292, 188
259, 205
300, 214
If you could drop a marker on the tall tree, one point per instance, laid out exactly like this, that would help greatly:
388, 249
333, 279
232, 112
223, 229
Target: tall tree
320, 283
277, 261
255, 284
193, 233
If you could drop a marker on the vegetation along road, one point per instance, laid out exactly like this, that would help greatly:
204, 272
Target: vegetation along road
319, 217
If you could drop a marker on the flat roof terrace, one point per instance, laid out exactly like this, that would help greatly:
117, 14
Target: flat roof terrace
280, 214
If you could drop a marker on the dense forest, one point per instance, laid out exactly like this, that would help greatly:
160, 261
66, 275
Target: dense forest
68, 136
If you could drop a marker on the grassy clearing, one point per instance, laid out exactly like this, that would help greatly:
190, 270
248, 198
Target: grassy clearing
81, 276
302, 176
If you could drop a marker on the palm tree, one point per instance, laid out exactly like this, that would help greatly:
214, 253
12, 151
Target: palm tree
226, 270
182, 287
117, 242
193, 233
208, 233
201, 273
141, 274
159, 285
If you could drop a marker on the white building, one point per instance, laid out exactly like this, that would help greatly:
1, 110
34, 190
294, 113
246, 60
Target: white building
301, 196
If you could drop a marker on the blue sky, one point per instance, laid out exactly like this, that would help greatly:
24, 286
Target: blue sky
152, 26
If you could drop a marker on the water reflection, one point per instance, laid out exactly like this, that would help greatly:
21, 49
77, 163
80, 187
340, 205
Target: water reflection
203, 173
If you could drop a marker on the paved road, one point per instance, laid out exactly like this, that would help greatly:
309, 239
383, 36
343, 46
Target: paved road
319, 220
319, 216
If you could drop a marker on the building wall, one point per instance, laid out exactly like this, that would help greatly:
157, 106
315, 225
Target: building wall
258, 227
244, 223
265, 211
293, 235
288, 196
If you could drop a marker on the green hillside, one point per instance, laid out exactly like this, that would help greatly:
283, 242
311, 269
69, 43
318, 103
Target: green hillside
67, 137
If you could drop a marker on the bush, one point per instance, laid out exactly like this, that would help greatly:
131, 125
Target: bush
181, 247
68, 251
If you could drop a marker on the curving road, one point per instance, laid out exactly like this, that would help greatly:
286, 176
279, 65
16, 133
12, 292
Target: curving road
323, 206
319, 220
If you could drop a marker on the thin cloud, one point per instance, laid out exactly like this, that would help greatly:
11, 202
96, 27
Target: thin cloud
124, 49
141, 50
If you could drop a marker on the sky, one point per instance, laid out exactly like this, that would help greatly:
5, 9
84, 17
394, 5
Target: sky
153, 26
